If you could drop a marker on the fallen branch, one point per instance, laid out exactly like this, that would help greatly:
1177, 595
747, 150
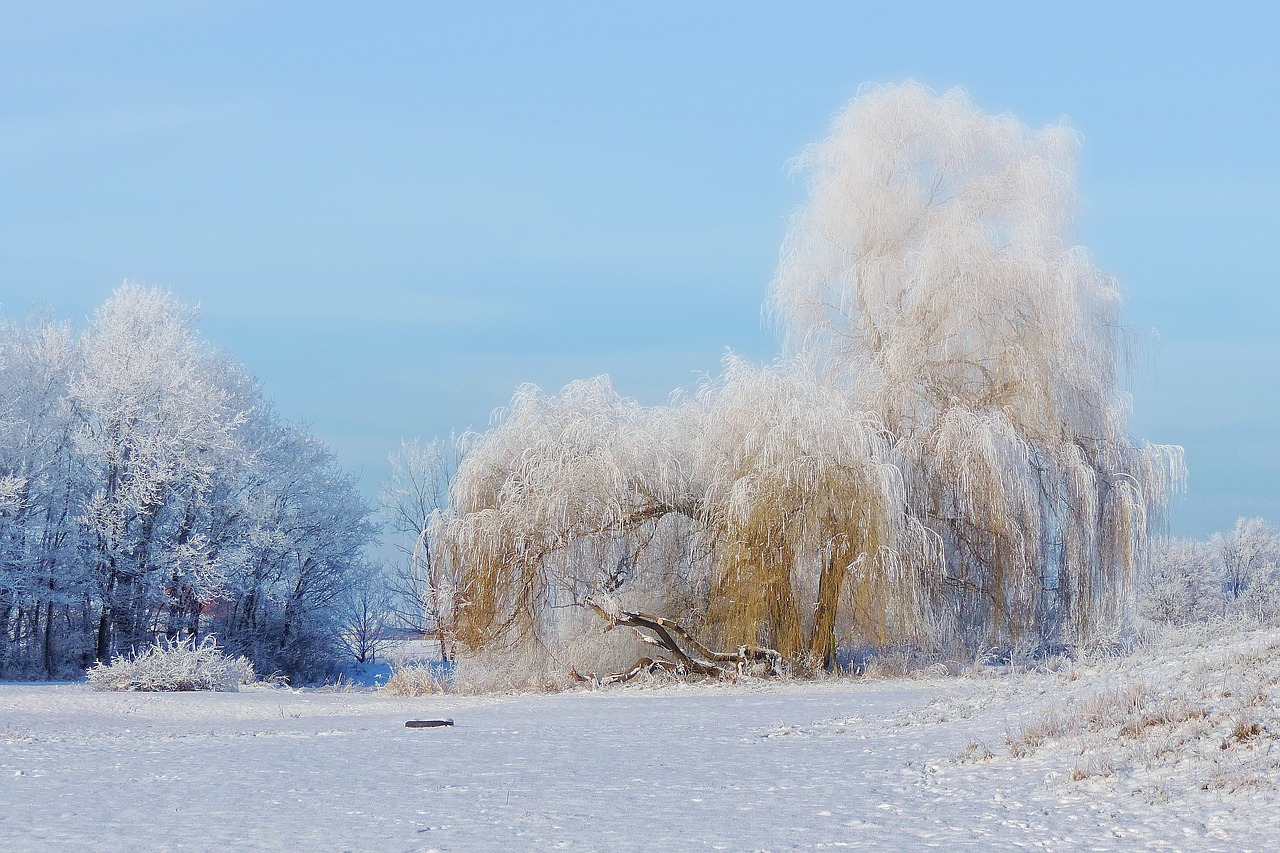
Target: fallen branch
691, 656
649, 665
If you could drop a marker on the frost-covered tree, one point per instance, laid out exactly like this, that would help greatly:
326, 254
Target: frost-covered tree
940, 452
1182, 582
155, 430
1248, 555
147, 489
1236, 574
292, 532
934, 276
41, 575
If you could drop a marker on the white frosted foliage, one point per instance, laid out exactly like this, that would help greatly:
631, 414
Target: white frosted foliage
941, 451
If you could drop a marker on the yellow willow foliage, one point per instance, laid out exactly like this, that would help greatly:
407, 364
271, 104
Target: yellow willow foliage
778, 484
942, 448
582, 465
801, 501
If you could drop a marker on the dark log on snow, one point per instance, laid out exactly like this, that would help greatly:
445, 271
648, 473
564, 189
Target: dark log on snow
691, 656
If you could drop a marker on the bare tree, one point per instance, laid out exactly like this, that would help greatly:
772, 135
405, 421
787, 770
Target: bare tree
1247, 554
420, 586
366, 617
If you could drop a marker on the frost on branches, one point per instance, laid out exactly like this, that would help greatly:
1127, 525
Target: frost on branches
940, 454
171, 666
149, 490
1234, 576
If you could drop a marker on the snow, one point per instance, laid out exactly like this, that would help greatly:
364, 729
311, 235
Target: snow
882, 764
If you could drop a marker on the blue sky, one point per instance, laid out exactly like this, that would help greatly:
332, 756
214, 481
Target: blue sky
396, 213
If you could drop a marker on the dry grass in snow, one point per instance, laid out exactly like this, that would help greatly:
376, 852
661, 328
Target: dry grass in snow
1170, 718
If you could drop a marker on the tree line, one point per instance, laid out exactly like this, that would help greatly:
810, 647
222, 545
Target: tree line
148, 488
1233, 574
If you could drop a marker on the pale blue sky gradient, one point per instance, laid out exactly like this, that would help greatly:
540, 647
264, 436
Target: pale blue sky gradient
396, 213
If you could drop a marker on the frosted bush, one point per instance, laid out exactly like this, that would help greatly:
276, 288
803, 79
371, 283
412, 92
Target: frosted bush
173, 666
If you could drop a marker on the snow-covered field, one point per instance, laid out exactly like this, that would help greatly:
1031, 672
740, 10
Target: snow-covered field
1173, 748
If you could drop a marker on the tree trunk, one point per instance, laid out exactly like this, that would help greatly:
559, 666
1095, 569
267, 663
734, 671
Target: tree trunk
104, 635
5, 645
48, 639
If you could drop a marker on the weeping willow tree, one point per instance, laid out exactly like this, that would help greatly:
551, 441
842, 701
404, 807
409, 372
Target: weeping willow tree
940, 452
932, 276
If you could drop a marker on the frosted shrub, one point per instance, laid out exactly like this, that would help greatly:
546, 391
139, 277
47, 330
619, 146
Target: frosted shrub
173, 666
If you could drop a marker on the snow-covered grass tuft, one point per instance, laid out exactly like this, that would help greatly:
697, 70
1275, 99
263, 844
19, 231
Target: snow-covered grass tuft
1170, 711
1026, 740
547, 665
173, 666
974, 752
415, 679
